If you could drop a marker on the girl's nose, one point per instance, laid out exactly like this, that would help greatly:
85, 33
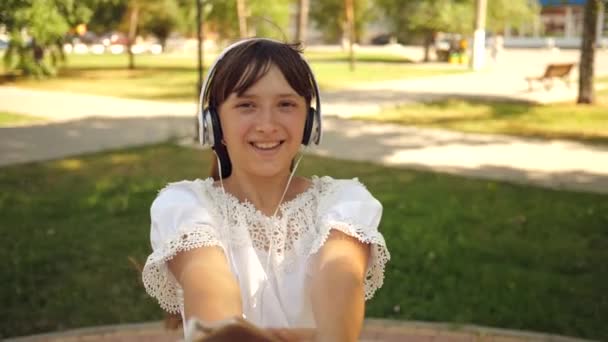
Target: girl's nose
266, 121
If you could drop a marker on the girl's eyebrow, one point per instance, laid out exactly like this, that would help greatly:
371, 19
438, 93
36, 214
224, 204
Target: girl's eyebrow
249, 96
288, 95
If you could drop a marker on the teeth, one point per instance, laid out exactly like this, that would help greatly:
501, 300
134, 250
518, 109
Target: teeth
266, 145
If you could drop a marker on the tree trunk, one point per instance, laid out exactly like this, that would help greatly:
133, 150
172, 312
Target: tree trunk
350, 26
241, 12
132, 33
302, 26
428, 41
585, 81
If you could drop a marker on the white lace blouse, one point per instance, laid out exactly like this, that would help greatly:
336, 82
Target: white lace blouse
274, 288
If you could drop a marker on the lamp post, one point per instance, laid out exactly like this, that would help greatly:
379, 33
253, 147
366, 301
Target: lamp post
200, 56
479, 43
199, 38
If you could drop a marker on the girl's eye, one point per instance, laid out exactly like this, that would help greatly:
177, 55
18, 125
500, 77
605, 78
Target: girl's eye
287, 104
245, 105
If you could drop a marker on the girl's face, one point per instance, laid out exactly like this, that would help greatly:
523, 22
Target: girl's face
263, 128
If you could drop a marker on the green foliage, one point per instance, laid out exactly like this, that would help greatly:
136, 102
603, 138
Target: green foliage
10, 119
107, 16
268, 18
442, 15
409, 18
329, 16
515, 13
38, 27
160, 17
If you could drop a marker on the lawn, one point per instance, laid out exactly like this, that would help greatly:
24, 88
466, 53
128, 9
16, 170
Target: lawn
563, 120
169, 77
463, 251
10, 119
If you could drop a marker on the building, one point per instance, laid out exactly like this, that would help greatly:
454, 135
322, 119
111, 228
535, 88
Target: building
560, 24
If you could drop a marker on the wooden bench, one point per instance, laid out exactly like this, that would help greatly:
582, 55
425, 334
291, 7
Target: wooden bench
553, 71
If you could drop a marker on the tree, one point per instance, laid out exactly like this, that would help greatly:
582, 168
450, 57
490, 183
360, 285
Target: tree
160, 18
156, 17
350, 29
586, 73
241, 13
411, 20
37, 29
503, 13
107, 16
302, 24
330, 17
268, 18
133, 17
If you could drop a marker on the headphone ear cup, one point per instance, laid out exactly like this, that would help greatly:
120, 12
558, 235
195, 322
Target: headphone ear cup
214, 128
205, 126
308, 126
215, 135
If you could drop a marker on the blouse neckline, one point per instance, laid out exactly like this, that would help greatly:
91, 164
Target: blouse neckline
303, 197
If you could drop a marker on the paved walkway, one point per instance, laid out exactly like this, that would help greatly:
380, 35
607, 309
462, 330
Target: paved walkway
89, 123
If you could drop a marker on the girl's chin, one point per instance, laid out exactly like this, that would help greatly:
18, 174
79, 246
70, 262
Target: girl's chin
267, 171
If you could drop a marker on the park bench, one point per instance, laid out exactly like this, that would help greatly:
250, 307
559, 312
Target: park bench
553, 71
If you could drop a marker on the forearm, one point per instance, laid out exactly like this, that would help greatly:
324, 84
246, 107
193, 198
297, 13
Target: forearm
216, 299
338, 300
210, 290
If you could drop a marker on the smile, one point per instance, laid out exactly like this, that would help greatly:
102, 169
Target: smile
267, 146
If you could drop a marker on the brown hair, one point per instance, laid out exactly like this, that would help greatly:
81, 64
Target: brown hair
243, 65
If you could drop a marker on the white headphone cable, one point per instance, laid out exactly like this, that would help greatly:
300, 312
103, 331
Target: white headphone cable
270, 247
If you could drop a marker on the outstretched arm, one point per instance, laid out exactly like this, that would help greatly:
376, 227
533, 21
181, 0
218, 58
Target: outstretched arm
211, 292
338, 296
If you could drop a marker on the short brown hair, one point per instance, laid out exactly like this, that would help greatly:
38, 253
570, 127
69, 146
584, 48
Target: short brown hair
245, 64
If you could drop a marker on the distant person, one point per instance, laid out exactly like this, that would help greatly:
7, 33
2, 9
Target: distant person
295, 257
463, 44
497, 47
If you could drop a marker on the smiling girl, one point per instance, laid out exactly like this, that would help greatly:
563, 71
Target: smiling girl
297, 257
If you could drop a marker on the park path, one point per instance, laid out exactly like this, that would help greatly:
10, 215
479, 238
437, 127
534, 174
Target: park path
87, 123
80, 123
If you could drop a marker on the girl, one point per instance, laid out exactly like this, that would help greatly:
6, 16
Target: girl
294, 256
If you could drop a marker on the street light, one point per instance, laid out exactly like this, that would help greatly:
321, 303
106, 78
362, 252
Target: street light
199, 38
479, 37
199, 84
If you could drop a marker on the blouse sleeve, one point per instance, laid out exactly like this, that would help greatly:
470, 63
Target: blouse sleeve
179, 222
351, 209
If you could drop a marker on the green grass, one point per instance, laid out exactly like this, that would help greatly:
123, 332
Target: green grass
10, 119
567, 121
463, 251
361, 56
169, 77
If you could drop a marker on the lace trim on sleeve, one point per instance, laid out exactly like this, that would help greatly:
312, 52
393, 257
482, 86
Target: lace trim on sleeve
379, 256
158, 279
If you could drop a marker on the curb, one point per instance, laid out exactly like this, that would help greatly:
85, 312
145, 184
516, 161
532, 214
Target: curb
374, 330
